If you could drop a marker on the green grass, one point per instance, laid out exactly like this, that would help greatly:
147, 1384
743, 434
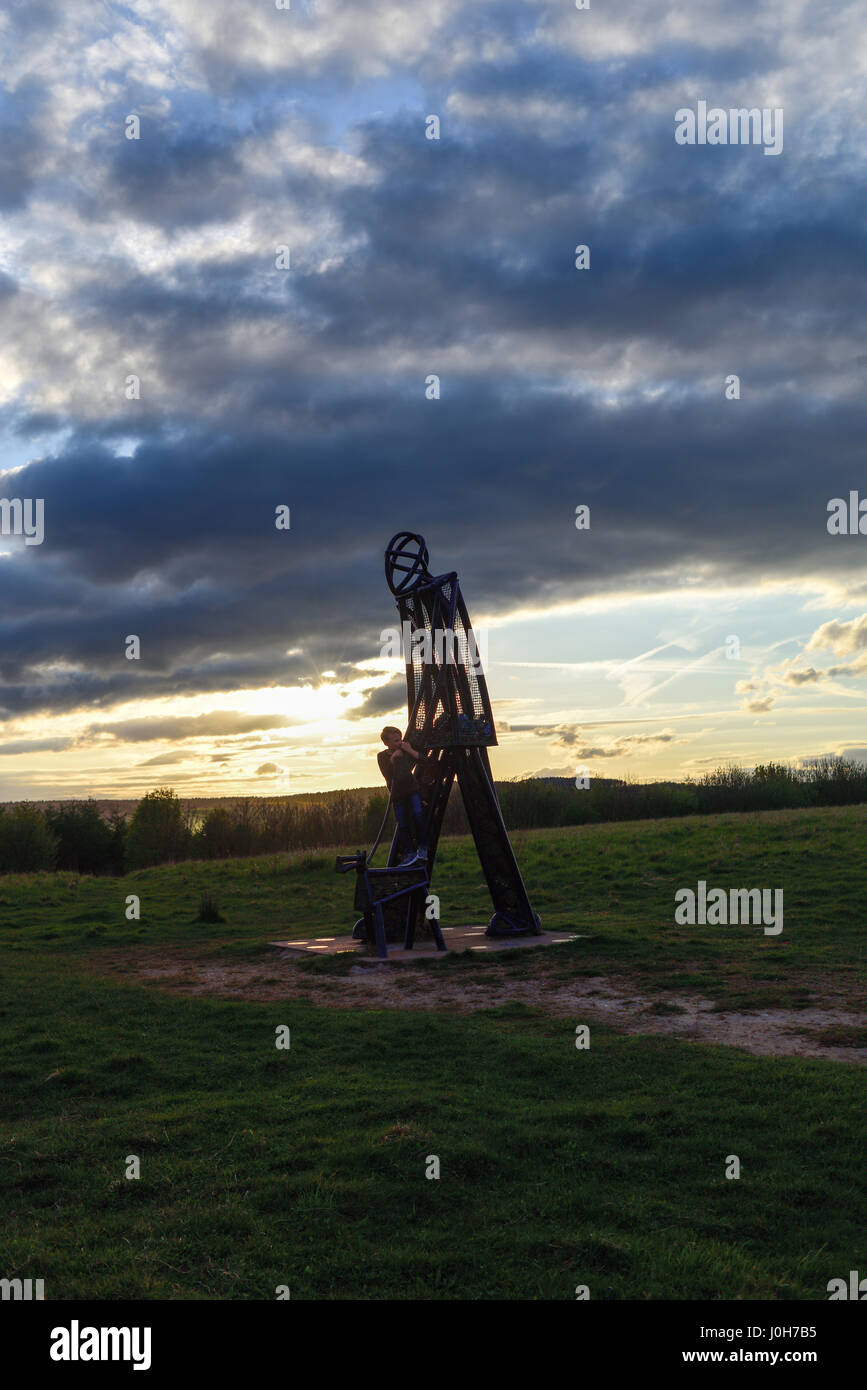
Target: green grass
306, 1167
614, 884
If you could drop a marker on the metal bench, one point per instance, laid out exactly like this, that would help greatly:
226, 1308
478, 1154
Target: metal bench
376, 889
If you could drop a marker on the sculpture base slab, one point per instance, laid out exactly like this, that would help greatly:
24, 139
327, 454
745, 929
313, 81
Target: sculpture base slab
456, 939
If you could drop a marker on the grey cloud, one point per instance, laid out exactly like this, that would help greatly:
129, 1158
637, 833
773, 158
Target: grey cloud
186, 727
803, 676
761, 706
844, 638
385, 699
570, 736
857, 753
35, 745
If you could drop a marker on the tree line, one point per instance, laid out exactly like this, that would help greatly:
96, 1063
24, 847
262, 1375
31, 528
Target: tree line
76, 837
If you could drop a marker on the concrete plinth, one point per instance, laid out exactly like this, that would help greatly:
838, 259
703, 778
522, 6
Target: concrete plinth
456, 939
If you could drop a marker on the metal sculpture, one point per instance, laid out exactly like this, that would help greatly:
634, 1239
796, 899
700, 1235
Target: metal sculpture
451, 725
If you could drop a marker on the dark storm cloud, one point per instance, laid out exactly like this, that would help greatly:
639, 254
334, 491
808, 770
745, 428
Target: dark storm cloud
20, 146
182, 181
179, 545
193, 639
188, 171
455, 257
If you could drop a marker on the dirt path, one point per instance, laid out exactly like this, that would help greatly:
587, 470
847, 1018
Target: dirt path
615, 1000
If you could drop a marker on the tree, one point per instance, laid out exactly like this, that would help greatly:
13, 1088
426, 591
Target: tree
26, 843
157, 833
215, 838
84, 838
118, 827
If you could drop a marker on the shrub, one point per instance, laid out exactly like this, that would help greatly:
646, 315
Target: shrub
26, 842
209, 909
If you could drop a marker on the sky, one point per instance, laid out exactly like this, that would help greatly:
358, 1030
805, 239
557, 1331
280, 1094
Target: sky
241, 310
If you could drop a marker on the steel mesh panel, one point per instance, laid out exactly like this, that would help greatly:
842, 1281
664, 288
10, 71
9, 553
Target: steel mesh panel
464, 655
446, 690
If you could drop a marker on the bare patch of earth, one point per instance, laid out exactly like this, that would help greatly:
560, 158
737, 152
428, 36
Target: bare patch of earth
617, 1000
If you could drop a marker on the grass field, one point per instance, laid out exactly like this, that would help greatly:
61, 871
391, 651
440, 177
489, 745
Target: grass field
306, 1167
